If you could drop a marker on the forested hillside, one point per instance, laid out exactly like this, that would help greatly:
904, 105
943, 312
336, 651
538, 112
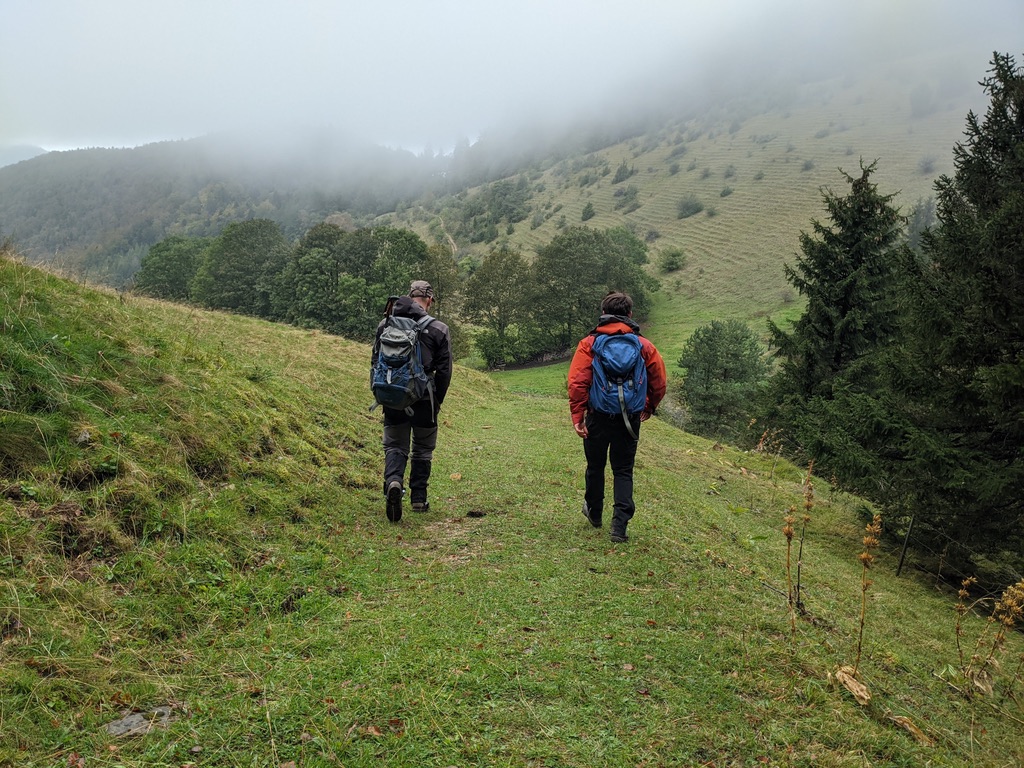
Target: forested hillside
95, 212
752, 156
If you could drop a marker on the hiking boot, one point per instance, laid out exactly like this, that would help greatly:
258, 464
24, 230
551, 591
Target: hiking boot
594, 520
394, 504
421, 506
619, 537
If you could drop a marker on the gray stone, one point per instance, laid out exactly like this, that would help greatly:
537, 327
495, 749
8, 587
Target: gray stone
140, 723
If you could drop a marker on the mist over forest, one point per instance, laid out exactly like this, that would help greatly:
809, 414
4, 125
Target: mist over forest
95, 210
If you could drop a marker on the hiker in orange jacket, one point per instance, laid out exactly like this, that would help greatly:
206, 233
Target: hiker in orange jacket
608, 435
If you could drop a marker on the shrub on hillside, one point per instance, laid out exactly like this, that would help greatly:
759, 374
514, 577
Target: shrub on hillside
622, 173
689, 206
671, 259
627, 198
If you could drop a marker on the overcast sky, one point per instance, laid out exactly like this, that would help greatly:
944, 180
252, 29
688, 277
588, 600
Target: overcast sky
413, 73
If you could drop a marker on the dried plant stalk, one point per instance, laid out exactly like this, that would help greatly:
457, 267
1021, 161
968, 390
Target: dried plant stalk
871, 533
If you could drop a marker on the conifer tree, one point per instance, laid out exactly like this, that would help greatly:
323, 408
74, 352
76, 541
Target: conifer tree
724, 366
824, 396
964, 373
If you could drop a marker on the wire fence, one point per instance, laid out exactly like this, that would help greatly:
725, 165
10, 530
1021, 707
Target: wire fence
942, 558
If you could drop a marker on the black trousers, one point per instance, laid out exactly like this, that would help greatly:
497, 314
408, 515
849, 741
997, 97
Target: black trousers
408, 437
609, 440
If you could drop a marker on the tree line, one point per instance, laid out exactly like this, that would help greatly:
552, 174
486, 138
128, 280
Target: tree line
903, 379
339, 280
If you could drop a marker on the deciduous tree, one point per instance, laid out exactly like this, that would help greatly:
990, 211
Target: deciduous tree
169, 267
497, 297
239, 268
575, 271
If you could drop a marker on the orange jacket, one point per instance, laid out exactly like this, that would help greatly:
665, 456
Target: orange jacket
580, 372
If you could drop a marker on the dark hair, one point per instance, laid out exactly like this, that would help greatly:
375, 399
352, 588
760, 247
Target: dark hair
616, 303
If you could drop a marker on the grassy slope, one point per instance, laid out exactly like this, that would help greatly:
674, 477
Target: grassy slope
194, 518
735, 257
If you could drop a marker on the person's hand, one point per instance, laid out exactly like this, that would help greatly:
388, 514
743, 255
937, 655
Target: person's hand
645, 415
581, 429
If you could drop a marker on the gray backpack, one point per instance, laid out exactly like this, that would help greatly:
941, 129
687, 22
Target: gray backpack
397, 378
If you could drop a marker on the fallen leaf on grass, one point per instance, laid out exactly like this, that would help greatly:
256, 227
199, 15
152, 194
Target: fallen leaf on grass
911, 727
845, 675
628, 667
456, 475
983, 682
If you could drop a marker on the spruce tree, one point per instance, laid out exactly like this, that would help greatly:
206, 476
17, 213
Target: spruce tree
964, 372
824, 395
724, 367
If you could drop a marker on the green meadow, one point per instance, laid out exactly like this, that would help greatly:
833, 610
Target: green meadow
192, 530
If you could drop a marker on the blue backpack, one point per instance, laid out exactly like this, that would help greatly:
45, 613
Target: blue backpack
397, 378
619, 382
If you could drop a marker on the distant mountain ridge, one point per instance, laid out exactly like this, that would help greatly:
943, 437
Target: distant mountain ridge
15, 154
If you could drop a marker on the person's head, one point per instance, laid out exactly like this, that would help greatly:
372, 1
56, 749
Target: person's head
616, 303
422, 292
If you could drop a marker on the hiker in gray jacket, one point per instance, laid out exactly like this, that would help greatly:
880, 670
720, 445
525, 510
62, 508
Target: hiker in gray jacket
419, 422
